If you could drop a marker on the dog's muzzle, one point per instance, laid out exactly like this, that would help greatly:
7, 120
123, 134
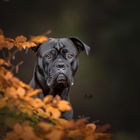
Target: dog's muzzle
60, 74
61, 78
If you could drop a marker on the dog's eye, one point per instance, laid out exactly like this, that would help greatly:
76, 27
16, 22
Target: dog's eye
48, 56
70, 55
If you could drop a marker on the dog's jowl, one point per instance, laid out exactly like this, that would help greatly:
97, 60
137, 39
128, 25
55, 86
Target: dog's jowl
57, 63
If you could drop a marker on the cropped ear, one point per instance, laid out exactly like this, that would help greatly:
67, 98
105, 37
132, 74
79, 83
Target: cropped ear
80, 44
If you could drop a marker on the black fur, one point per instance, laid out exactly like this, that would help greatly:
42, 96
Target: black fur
57, 63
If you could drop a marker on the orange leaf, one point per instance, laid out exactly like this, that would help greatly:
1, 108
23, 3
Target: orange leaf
56, 134
52, 112
3, 102
25, 109
25, 45
39, 39
32, 92
91, 126
48, 99
75, 134
45, 126
11, 92
64, 105
1, 38
18, 129
36, 103
20, 91
3, 62
20, 39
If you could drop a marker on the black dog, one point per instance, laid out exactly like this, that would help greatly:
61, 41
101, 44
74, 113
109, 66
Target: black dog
57, 63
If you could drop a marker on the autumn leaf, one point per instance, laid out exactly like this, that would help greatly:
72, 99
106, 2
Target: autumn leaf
39, 39
52, 112
33, 92
91, 126
5, 63
20, 91
11, 92
20, 39
22, 132
56, 134
9, 43
64, 106
65, 124
5, 43
48, 99
1, 38
75, 134
26, 109
3, 102
25, 45
40, 112
36, 103
45, 127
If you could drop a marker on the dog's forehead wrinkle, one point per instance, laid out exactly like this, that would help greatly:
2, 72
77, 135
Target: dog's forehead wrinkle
58, 44
68, 44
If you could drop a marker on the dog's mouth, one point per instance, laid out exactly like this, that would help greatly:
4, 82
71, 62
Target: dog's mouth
61, 79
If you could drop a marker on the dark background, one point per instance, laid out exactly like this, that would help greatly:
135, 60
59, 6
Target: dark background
107, 82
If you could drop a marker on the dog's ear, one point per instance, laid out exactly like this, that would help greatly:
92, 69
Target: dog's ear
80, 44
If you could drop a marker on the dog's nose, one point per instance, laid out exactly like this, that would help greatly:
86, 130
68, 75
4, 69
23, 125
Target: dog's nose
60, 66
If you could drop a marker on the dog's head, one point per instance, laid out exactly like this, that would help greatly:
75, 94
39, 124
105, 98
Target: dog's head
58, 60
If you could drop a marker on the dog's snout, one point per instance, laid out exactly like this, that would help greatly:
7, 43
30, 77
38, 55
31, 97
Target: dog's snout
60, 65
